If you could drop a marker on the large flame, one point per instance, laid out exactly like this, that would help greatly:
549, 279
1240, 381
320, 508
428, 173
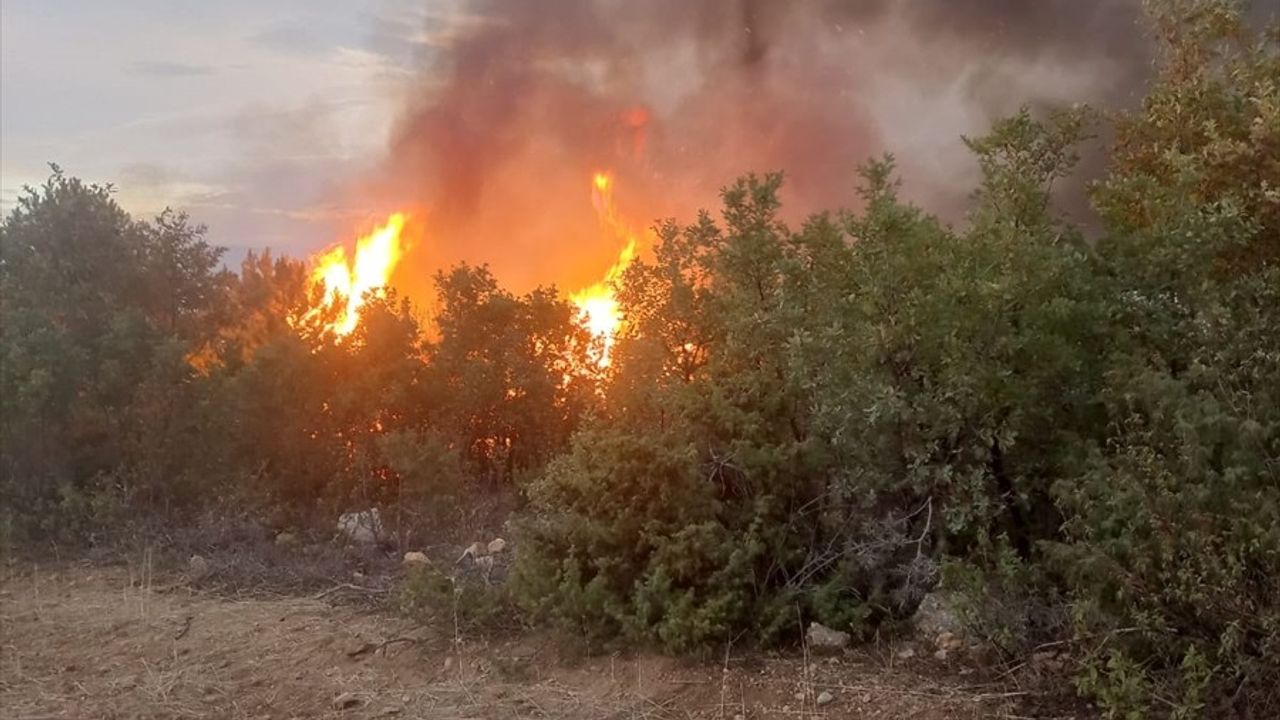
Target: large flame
346, 283
597, 305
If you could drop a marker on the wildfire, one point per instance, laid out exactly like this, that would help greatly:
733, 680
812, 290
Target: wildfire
346, 282
597, 304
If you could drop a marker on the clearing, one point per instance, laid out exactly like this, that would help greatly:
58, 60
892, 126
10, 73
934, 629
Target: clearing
86, 641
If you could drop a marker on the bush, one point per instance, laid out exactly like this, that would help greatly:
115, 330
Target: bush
431, 596
1173, 551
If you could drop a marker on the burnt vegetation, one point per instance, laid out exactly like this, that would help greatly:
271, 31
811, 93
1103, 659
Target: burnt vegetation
1078, 431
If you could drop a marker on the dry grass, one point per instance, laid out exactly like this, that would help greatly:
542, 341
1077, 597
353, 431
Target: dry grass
131, 642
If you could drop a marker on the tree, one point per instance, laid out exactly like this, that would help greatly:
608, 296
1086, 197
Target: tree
99, 315
1172, 549
509, 377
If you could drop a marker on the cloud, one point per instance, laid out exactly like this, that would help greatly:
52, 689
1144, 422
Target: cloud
165, 68
293, 38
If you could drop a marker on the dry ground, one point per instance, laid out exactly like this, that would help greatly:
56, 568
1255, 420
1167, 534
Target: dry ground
92, 642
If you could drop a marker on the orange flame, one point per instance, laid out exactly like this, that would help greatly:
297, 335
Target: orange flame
597, 305
347, 283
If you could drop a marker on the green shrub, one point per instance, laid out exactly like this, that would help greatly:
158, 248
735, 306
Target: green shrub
431, 596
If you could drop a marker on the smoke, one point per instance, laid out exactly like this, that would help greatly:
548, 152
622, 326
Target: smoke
518, 102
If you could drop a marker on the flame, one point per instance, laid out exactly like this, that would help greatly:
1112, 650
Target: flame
597, 305
346, 283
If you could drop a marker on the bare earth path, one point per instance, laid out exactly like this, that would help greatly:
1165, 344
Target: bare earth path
89, 642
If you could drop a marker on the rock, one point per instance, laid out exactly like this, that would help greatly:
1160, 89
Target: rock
821, 637
1043, 657
357, 647
941, 654
475, 551
346, 701
286, 539
937, 616
799, 697
824, 698
485, 563
739, 716
198, 568
362, 528
947, 641
413, 557
497, 545
906, 653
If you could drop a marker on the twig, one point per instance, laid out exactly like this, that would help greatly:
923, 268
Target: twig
347, 586
375, 647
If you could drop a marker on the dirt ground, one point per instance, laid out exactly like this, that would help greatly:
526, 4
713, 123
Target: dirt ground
86, 641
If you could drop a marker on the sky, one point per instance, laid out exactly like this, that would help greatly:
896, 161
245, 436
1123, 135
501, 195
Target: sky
246, 114
287, 124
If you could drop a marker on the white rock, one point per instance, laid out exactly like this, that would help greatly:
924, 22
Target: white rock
497, 545
475, 551
906, 654
286, 539
825, 698
937, 616
821, 637
413, 557
363, 527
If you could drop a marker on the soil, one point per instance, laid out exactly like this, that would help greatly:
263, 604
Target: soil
87, 641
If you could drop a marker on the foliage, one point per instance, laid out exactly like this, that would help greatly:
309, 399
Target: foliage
699, 504
430, 595
1077, 435
99, 314
1172, 547
508, 377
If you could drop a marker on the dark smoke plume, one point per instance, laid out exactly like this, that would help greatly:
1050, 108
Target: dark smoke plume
520, 101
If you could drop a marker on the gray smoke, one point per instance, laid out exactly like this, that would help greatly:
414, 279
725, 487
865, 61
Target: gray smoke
520, 100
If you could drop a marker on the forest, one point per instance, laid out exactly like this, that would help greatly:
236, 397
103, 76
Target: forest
1071, 426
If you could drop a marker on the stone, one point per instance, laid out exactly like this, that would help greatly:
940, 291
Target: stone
825, 698
821, 637
947, 641
906, 653
1048, 661
413, 557
941, 654
198, 568
1044, 657
346, 701
475, 551
937, 617
286, 539
497, 545
362, 528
